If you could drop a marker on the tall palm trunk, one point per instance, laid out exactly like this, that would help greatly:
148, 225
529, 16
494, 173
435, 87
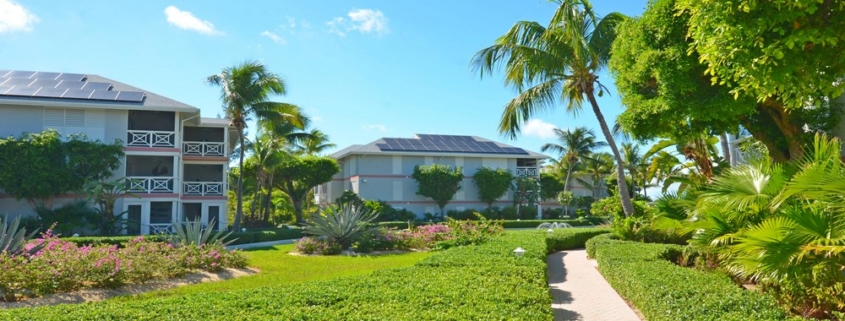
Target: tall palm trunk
726, 149
568, 176
266, 214
622, 185
239, 212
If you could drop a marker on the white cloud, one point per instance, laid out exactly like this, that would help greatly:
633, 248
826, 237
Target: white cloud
379, 127
362, 20
538, 128
14, 17
276, 38
187, 21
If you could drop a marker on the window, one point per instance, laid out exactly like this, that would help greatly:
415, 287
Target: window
75, 121
161, 212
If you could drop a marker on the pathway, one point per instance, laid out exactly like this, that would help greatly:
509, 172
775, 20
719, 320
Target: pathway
580, 292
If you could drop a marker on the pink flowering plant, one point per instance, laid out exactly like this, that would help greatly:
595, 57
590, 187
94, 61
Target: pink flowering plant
61, 266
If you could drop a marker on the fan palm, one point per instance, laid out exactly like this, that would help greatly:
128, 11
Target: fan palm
557, 63
574, 145
245, 92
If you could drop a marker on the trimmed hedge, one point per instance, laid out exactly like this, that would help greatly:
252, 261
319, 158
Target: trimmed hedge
567, 239
241, 237
662, 290
508, 223
483, 282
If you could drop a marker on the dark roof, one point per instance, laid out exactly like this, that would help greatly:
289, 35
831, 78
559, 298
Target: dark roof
423, 144
46, 81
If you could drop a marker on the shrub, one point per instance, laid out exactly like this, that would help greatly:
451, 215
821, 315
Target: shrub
662, 290
70, 218
565, 239
193, 233
342, 224
509, 213
467, 214
470, 232
552, 213
13, 238
317, 246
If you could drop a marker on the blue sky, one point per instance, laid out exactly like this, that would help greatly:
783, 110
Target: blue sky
361, 69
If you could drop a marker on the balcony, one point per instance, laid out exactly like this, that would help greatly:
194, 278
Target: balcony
527, 171
203, 149
139, 184
203, 141
203, 180
150, 174
202, 188
151, 129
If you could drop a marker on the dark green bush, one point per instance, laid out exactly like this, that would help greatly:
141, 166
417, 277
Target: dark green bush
467, 214
565, 239
662, 290
110, 240
241, 237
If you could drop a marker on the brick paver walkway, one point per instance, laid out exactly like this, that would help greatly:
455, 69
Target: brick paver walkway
580, 292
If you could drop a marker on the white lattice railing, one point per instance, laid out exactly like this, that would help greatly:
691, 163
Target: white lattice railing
203, 149
165, 228
151, 138
526, 171
139, 184
202, 188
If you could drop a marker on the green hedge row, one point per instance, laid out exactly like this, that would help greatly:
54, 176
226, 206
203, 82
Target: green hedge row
644, 274
241, 237
484, 282
587, 221
566, 239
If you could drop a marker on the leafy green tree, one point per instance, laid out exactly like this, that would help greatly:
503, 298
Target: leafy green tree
597, 166
245, 91
564, 198
40, 166
438, 182
298, 175
550, 186
525, 191
491, 183
559, 63
574, 145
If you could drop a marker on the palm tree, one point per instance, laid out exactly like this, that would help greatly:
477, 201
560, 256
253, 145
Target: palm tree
597, 166
558, 63
316, 143
633, 162
574, 145
245, 91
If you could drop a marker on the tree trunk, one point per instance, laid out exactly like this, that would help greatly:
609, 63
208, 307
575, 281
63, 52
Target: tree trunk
297, 208
266, 215
726, 147
239, 212
622, 185
568, 176
772, 126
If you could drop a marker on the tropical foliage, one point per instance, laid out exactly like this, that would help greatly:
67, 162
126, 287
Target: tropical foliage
341, 223
194, 233
558, 63
438, 182
491, 183
298, 176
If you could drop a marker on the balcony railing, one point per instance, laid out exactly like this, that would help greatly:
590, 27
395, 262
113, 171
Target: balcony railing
203, 149
149, 138
163, 228
526, 171
202, 188
140, 184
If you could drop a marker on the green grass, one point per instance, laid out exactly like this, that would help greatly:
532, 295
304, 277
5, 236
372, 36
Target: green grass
279, 268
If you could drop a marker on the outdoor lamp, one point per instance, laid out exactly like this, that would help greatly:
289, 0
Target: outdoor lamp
519, 252
243, 230
550, 231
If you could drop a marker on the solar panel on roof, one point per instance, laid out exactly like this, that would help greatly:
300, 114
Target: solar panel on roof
17, 82
77, 93
46, 75
22, 91
130, 96
3, 72
73, 77
71, 84
102, 94
50, 83
98, 86
20, 74
50, 92
4, 89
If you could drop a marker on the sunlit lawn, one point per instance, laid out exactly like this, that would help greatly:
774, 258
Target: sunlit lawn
279, 268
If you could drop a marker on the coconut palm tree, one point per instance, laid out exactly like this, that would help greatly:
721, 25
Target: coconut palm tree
574, 145
316, 143
597, 166
556, 63
633, 161
245, 91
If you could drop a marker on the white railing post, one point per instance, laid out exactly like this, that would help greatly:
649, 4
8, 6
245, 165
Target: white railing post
202, 188
203, 148
140, 184
149, 138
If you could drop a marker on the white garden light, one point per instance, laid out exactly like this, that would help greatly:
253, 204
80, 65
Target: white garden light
519, 252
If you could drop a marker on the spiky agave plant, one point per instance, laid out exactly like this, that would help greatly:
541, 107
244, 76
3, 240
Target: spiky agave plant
193, 233
342, 223
13, 237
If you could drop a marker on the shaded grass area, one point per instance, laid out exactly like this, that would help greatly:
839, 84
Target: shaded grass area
279, 268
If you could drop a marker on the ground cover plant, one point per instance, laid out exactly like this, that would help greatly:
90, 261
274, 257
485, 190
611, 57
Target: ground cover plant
49, 264
481, 282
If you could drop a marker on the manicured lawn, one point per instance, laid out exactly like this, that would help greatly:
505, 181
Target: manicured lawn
279, 268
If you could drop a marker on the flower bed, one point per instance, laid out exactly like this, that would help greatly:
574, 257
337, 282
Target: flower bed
62, 266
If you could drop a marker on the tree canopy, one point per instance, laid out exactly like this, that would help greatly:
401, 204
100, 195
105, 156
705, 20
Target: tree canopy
39, 166
491, 183
297, 176
438, 182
